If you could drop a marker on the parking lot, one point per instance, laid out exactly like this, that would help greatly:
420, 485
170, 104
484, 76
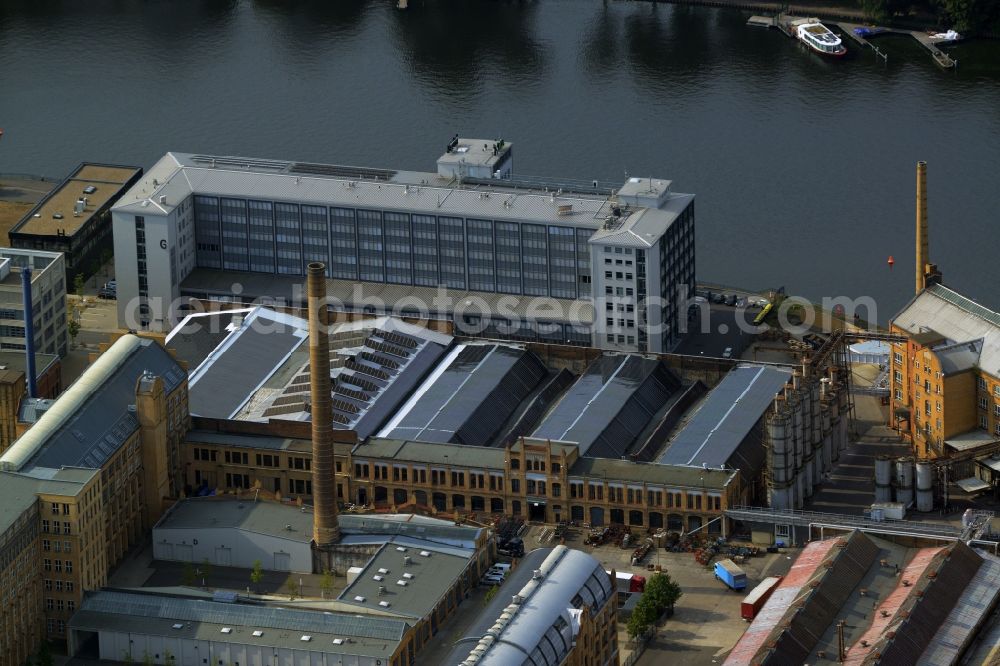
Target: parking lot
706, 623
711, 335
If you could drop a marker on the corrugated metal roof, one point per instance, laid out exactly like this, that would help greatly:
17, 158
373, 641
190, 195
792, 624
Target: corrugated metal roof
774, 633
378, 635
726, 417
541, 628
968, 615
886, 615
231, 374
607, 408
956, 318
959, 357
431, 453
469, 397
100, 420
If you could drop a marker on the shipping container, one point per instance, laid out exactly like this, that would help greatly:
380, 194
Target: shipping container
758, 597
730, 574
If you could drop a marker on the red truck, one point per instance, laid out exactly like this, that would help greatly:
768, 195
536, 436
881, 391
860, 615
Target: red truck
758, 597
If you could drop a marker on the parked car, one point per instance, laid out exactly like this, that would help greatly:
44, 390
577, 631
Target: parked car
111, 284
90, 189
731, 300
728, 353
500, 567
719, 299
492, 579
106, 293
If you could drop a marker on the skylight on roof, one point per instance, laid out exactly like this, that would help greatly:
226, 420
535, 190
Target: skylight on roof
401, 582
226, 630
258, 633
384, 604
306, 638
377, 577
425, 553
178, 626
359, 598
338, 641
407, 576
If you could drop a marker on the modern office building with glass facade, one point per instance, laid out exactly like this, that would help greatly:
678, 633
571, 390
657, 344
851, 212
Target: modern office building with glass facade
514, 258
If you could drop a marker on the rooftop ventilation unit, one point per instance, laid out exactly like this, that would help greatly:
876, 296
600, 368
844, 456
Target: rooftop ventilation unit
400, 549
406, 560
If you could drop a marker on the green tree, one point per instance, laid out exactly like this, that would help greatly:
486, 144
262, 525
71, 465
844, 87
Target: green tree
969, 15
78, 283
293, 588
326, 583
127, 657
662, 592
257, 573
44, 655
73, 328
189, 576
147, 659
205, 570
642, 618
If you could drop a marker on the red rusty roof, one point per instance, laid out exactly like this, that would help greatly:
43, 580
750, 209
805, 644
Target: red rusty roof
756, 636
887, 614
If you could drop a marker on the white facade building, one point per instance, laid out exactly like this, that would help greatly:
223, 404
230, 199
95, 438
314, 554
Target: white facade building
519, 259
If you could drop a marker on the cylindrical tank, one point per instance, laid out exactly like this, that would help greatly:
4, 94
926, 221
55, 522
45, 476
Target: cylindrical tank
883, 479
925, 487
827, 443
904, 480
835, 445
817, 432
778, 491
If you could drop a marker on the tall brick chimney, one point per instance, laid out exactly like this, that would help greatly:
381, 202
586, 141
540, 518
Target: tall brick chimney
326, 532
922, 242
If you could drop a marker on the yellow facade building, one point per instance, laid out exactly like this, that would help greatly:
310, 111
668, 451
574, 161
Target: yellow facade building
85, 483
945, 377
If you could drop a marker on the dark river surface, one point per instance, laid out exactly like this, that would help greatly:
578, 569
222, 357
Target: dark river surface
803, 167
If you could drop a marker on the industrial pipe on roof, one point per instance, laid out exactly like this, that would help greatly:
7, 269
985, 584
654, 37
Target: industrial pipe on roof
29, 331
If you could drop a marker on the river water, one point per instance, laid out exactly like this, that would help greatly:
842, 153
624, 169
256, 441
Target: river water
803, 167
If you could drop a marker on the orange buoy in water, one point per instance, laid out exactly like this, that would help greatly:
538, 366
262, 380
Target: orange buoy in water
891, 262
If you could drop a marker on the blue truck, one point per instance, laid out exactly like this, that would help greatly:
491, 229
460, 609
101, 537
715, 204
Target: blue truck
730, 574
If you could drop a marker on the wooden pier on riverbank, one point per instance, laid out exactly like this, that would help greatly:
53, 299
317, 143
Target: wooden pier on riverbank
783, 22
